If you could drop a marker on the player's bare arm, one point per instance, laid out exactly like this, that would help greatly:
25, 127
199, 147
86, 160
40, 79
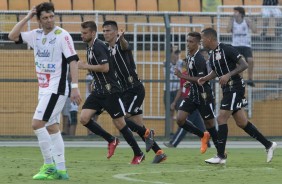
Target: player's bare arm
240, 67
16, 31
230, 25
95, 68
251, 24
186, 77
75, 93
123, 43
208, 77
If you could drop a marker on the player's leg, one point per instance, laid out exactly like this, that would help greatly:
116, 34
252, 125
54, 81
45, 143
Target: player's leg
186, 108
249, 128
48, 114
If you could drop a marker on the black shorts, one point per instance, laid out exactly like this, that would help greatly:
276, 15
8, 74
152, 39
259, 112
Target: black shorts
245, 51
206, 108
133, 99
111, 103
232, 100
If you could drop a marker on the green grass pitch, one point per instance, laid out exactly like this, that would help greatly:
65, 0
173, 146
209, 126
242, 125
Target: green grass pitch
184, 165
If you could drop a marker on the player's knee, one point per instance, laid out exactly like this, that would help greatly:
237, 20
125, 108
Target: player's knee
84, 120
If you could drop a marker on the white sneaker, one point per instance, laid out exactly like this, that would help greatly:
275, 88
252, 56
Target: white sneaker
216, 160
270, 152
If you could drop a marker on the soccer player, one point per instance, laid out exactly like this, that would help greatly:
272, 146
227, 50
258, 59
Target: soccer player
200, 97
54, 54
106, 88
226, 64
241, 38
133, 92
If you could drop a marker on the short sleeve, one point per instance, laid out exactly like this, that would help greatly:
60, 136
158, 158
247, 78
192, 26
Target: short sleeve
68, 47
101, 53
28, 37
232, 54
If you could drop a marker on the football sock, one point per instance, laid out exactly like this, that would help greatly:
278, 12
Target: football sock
45, 144
128, 136
190, 127
98, 130
222, 138
253, 132
58, 150
155, 147
214, 136
140, 130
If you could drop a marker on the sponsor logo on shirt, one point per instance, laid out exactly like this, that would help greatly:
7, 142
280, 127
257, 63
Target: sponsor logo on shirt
58, 31
44, 53
46, 67
69, 45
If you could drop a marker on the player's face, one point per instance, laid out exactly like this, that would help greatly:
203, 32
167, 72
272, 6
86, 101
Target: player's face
237, 15
109, 33
205, 41
47, 20
87, 35
192, 44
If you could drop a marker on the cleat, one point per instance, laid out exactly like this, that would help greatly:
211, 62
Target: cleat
216, 160
45, 171
112, 147
138, 159
59, 175
270, 152
205, 140
169, 145
160, 157
149, 139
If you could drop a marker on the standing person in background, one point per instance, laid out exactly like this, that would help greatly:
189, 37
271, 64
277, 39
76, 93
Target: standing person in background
175, 62
200, 97
105, 94
54, 55
133, 93
227, 64
271, 11
241, 29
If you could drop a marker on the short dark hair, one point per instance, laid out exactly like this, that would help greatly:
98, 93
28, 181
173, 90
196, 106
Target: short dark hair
89, 24
110, 23
195, 35
210, 32
46, 6
241, 10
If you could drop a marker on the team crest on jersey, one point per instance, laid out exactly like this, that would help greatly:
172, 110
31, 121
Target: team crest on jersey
44, 40
58, 31
191, 65
217, 56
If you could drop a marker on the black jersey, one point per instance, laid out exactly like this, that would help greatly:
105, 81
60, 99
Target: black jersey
104, 83
270, 2
197, 67
223, 60
125, 66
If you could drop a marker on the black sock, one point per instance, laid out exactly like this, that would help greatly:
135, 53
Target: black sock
190, 127
222, 138
98, 130
128, 136
253, 132
140, 130
214, 136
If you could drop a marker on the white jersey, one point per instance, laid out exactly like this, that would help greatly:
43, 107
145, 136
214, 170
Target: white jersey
52, 53
241, 34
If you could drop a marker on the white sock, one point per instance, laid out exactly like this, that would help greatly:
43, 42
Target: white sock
58, 150
45, 144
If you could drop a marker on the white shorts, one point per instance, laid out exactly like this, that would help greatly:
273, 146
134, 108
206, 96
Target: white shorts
49, 108
268, 12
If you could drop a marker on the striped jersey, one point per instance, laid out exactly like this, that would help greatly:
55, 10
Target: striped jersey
124, 65
104, 82
224, 59
53, 53
197, 67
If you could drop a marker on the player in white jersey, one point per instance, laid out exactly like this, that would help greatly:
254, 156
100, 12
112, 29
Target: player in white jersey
54, 54
241, 28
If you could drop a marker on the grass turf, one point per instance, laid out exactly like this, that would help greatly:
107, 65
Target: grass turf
90, 165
